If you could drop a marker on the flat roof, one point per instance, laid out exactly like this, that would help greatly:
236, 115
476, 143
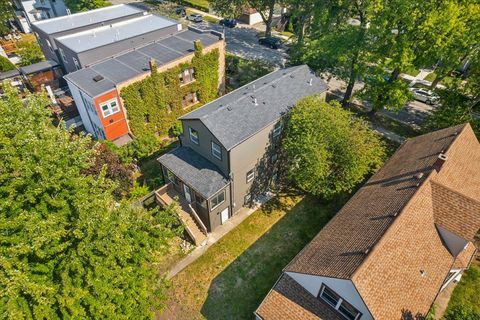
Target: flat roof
100, 36
39, 66
134, 63
82, 19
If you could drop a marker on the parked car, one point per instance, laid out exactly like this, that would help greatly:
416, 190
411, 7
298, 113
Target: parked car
229, 23
425, 95
270, 42
195, 17
180, 10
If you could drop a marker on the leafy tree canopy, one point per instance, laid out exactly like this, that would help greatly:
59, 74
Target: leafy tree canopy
66, 249
6, 13
329, 150
85, 5
5, 64
30, 53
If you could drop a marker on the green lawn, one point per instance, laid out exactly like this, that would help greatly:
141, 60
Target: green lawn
467, 292
232, 277
198, 4
445, 81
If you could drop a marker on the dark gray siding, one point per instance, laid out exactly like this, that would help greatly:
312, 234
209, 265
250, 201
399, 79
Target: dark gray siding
205, 144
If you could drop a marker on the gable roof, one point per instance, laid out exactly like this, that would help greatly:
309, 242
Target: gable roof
128, 65
235, 117
385, 239
195, 170
83, 19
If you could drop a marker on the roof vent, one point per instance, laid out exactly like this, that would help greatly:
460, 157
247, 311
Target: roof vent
423, 273
442, 156
367, 251
310, 82
418, 175
229, 108
292, 76
97, 78
255, 101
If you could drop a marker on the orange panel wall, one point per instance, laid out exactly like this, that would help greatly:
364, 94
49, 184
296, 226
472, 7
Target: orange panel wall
114, 125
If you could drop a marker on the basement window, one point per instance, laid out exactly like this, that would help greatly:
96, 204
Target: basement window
344, 308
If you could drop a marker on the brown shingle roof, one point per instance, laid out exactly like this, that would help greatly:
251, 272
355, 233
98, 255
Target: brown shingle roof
342, 245
290, 301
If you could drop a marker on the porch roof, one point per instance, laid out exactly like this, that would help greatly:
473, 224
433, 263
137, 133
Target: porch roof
194, 170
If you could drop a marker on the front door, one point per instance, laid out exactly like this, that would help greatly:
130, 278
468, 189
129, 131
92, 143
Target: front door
224, 215
186, 191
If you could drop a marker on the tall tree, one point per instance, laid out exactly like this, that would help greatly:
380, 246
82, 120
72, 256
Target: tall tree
234, 7
6, 13
66, 249
329, 151
85, 5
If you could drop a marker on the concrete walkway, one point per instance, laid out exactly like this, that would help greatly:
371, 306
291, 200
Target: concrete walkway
213, 237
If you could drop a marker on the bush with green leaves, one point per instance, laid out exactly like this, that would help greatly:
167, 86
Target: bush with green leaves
67, 250
329, 151
30, 53
5, 64
85, 5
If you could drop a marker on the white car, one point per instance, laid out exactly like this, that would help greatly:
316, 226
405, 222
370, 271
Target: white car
425, 95
195, 17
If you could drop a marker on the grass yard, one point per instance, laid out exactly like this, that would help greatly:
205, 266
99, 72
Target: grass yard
203, 5
445, 81
467, 292
230, 280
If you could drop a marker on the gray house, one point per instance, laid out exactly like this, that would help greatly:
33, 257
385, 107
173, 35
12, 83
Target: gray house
47, 31
229, 148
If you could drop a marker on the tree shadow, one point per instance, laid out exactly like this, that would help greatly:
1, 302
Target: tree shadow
237, 291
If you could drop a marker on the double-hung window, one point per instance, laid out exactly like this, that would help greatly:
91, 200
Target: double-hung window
216, 151
344, 308
250, 175
277, 129
193, 135
110, 107
186, 76
189, 99
217, 200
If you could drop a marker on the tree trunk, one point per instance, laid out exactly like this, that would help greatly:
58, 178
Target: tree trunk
302, 25
436, 81
268, 23
394, 75
351, 84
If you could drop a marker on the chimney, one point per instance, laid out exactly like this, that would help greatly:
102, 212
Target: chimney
152, 65
440, 161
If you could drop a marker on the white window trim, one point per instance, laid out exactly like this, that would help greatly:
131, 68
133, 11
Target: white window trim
218, 204
197, 142
251, 176
339, 303
109, 107
219, 150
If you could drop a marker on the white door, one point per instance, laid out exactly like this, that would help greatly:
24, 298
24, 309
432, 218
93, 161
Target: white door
224, 215
186, 191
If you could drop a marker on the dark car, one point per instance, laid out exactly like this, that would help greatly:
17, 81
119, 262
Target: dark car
180, 10
270, 42
229, 23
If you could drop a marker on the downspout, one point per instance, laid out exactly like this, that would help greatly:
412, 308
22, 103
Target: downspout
230, 175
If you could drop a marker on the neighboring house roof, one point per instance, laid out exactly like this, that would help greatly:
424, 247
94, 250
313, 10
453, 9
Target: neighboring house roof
39, 66
196, 171
9, 74
82, 19
105, 35
235, 117
387, 239
134, 63
290, 301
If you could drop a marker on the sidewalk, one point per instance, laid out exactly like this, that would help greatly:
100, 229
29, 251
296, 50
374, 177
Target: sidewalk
213, 237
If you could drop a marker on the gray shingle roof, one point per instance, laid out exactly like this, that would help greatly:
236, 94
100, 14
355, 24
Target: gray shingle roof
134, 63
234, 117
196, 171
39, 66
100, 36
86, 18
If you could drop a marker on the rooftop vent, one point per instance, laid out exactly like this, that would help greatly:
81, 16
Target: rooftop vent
97, 78
418, 175
442, 157
255, 101
310, 82
366, 251
423, 273
229, 108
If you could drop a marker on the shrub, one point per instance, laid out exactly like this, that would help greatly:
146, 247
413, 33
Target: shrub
5, 64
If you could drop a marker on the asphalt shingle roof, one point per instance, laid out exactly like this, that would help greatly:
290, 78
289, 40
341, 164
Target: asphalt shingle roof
135, 63
235, 117
196, 171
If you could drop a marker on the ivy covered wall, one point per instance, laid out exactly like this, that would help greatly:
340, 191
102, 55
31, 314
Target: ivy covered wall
154, 104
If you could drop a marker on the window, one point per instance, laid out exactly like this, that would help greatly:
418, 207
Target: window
250, 175
189, 99
109, 108
193, 135
171, 177
62, 53
75, 62
186, 76
277, 129
49, 45
200, 201
217, 200
216, 151
344, 308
